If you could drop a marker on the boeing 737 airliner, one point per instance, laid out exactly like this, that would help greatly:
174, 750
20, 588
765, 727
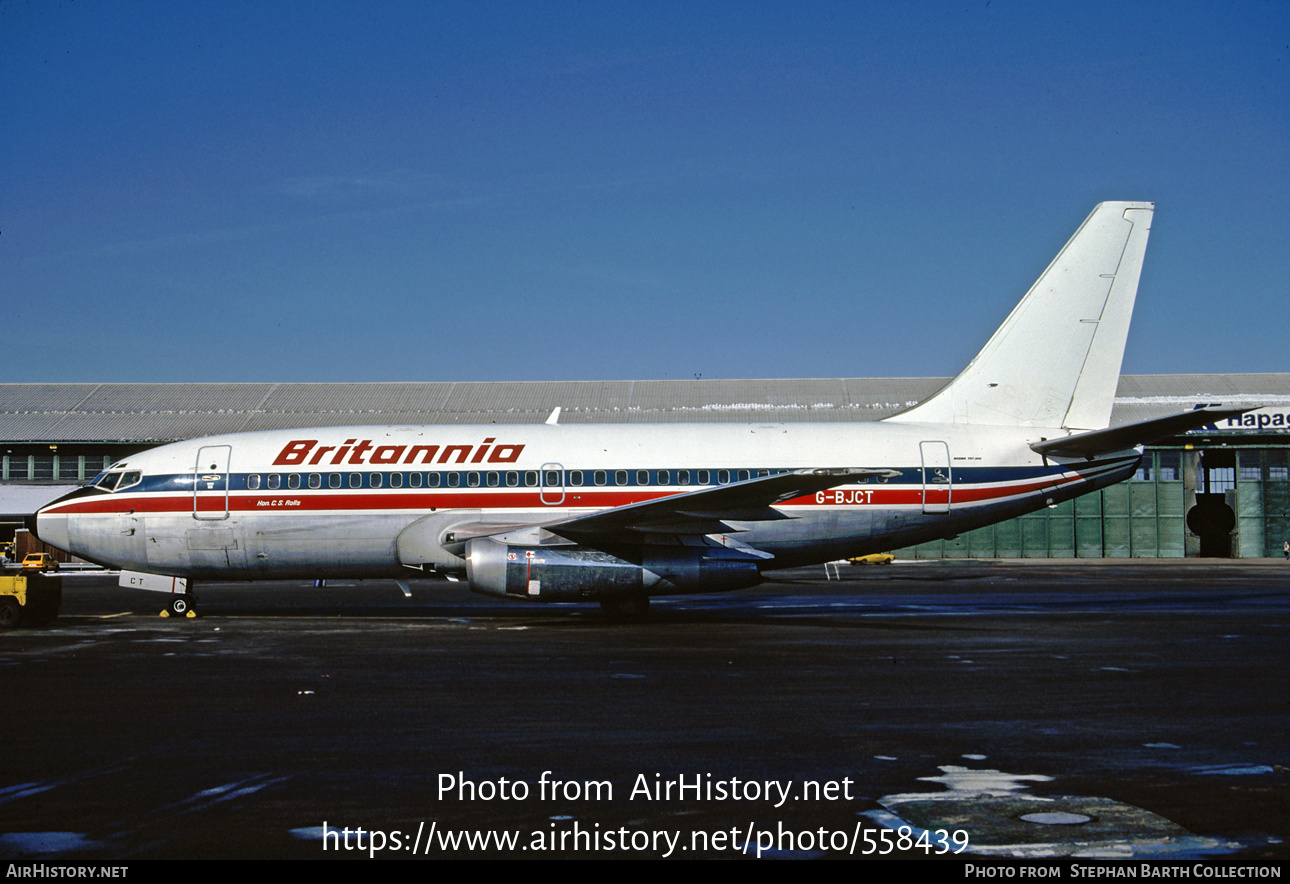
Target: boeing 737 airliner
617, 513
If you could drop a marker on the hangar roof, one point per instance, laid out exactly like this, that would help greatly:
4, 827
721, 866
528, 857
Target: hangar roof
168, 412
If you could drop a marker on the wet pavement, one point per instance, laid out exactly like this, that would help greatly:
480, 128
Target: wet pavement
984, 709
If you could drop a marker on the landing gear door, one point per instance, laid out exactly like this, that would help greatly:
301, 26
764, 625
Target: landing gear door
210, 482
937, 478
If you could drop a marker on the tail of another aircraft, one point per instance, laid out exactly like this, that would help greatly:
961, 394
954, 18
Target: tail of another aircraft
1055, 361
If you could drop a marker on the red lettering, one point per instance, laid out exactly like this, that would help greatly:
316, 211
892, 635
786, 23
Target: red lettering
294, 452
388, 454
461, 450
479, 455
427, 453
360, 449
512, 454
342, 451
322, 449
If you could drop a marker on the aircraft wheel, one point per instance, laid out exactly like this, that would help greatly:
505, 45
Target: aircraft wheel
628, 607
180, 605
10, 612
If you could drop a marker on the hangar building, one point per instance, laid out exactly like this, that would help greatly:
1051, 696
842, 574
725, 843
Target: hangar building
1220, 491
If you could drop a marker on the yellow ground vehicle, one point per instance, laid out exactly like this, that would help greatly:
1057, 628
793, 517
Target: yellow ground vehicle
41, 561
29, 599
873, 559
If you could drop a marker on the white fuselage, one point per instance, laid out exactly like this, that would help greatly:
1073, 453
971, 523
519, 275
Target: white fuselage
375, 501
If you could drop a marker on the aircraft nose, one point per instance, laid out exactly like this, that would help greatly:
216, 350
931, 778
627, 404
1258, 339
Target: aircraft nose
49, 528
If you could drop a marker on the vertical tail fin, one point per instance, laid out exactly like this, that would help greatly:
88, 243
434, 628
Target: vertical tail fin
1055, 361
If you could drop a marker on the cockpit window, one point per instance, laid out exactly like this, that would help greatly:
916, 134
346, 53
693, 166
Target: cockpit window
117, 480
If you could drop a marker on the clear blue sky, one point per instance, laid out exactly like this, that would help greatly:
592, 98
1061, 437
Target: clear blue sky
427, 191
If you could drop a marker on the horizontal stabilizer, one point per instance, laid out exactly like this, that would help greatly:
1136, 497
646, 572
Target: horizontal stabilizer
1097, 442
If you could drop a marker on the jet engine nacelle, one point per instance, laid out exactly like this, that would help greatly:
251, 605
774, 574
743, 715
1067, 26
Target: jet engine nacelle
573, 573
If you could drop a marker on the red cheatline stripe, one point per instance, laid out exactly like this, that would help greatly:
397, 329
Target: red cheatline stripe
488, 498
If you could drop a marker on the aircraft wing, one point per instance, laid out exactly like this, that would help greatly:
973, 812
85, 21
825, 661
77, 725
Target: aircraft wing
708, 510
1097, 442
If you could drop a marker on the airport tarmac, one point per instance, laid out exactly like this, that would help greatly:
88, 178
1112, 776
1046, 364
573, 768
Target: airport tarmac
1023, 708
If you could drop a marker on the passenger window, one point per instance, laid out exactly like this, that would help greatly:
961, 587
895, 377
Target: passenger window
315, 480
743, 476
396, 480
275, 480
552, 479
454, 479
530, 479
333, 480
642, 477
375, 480
723, 477
664, 477
355, 480
620, 477
432, 480
472, 479
512, 479
253, 481
704, 477
600, 477
492, 478
293, 480
575, 477
414, 480
683, 477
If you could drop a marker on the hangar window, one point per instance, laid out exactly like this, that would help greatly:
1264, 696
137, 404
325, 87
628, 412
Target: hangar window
253, 481
1170, 466
1249, 469
275, 481
293, 480
355, 480
1277, 469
